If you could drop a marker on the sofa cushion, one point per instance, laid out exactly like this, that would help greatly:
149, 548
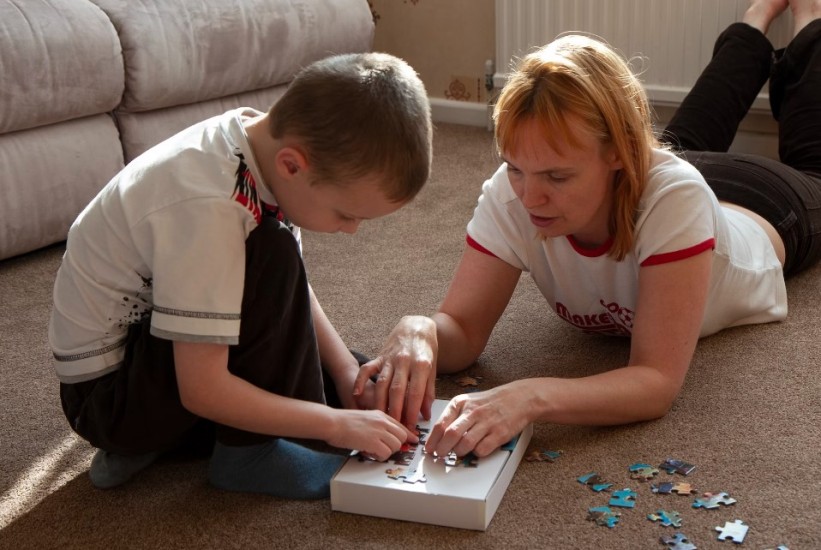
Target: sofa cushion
185, 52
141, 131
59, 60
48, 176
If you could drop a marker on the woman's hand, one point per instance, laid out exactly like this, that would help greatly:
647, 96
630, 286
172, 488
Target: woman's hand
406, 372
481, 422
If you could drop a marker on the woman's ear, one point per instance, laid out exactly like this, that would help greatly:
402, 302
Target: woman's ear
612, 158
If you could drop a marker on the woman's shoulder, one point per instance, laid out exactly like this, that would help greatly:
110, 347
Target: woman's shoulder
670, 173
667, 163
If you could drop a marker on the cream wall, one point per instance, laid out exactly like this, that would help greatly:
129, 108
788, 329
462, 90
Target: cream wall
446, 41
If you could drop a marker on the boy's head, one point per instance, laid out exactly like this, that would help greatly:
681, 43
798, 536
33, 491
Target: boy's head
359, 115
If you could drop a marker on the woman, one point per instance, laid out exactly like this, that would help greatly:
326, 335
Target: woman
619, 232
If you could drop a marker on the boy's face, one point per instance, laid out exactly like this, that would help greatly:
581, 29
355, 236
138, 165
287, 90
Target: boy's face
330, 208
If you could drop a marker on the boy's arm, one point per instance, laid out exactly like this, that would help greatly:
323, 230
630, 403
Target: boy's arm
208, 389
334, 354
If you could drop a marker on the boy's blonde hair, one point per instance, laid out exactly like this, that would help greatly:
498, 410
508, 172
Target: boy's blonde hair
581, 76
358, 115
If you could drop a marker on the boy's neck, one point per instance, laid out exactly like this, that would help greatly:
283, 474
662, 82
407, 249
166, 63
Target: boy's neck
264, 148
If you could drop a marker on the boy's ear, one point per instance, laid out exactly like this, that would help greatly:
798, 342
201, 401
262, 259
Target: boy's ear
290, 162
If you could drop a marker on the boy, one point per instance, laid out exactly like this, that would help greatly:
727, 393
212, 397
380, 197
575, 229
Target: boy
182, 295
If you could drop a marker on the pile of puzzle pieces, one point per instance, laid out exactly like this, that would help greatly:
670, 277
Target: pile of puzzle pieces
609, 515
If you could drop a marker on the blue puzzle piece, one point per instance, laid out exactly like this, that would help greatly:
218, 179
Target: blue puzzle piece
642, 472
668, 519
603, 516
626, 498
710, 501
595, 482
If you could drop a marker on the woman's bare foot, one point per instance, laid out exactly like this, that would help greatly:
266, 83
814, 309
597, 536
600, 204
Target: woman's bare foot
762, 12
804, 12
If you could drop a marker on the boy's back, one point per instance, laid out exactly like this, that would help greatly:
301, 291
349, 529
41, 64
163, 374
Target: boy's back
166, 238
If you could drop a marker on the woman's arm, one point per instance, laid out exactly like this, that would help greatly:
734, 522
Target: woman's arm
419, 347
669, 313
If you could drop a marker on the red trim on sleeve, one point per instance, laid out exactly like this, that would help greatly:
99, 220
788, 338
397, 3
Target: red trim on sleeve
473, 244
677, 255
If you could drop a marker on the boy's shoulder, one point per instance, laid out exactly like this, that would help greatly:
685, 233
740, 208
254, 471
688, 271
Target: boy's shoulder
219, 136
210, 160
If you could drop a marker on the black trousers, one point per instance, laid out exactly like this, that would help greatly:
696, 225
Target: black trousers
137, 408
785, 193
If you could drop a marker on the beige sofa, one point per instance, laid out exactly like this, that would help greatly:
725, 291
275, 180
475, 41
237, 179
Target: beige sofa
87, 85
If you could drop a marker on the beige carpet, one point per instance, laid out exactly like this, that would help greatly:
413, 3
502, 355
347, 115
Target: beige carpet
749, 416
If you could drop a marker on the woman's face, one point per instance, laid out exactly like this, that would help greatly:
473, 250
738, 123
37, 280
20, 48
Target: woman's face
566, 191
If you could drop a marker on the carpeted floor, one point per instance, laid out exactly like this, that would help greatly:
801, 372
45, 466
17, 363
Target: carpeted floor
749, 416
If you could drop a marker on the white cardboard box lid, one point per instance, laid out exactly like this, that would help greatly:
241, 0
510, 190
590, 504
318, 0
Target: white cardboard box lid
452, 496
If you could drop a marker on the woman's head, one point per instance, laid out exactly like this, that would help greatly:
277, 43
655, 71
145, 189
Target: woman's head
580, 80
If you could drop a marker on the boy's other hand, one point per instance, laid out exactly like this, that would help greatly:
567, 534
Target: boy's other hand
406, 371
371, 432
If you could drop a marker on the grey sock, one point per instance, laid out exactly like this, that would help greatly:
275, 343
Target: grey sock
279, 468
110, 470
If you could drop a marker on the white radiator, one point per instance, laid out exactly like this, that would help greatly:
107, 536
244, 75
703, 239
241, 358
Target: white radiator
668, 41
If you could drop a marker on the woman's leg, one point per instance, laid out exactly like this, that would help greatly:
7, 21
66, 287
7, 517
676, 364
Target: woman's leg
795, 91
708, 118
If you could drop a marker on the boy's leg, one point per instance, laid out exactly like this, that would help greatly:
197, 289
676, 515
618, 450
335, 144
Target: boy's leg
135, 412
132, 414
708, 118
278, 352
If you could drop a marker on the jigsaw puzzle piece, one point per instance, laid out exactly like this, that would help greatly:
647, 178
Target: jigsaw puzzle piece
683, 489
662, 488
710, 501
467, 381
735, 531
596, 483
510, 445
668, 519
603, 516
470, 460
413, 476
625, 498
642, 472
675, 466
536, 455
678, 542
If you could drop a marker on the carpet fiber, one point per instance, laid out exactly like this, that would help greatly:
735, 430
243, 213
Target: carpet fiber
749, 415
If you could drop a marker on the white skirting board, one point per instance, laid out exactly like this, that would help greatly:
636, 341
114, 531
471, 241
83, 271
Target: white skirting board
459, 112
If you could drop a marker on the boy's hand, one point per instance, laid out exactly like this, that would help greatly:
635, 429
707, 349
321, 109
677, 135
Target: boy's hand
371, 432
406, 369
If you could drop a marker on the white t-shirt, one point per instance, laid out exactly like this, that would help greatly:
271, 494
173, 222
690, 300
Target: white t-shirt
679, 217
166, 238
